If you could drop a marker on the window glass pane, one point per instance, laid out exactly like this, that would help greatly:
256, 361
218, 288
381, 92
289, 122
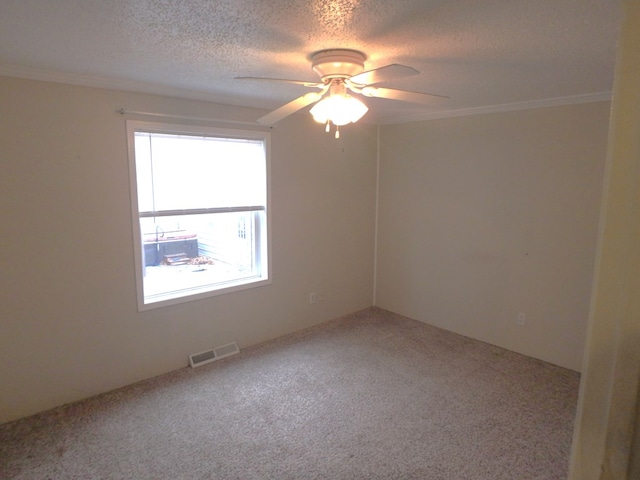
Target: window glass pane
188, 252
182, 249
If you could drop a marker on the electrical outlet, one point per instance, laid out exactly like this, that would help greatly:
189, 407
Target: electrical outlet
312, 297
521, 319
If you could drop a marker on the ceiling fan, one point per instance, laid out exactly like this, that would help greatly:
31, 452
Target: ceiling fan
341, 71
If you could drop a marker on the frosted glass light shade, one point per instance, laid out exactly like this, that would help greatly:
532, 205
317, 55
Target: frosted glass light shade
338, 109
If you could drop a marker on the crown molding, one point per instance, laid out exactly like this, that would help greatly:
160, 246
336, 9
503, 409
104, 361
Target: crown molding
32, 73
95, 81
505, 107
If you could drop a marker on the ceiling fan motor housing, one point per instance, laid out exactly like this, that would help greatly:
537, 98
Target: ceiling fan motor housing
338, 63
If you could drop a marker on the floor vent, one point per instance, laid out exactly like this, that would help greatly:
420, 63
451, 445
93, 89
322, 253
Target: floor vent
208, 356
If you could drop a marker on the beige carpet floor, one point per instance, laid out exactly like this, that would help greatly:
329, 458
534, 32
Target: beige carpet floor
373, 395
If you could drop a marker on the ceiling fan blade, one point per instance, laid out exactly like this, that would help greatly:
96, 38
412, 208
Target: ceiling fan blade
289, 108
382, 74
285, 80
393, 94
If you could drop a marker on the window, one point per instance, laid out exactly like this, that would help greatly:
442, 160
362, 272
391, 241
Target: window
199, 201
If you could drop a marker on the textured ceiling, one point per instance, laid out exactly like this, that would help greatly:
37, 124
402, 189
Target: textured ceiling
479, 53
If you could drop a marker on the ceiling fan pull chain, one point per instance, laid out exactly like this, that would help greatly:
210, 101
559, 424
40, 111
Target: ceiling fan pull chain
328, 127
337, 131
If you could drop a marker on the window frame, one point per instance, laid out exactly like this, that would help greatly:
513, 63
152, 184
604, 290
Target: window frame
261, 250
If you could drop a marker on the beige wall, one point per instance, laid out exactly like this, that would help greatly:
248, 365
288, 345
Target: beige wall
479, 218
69, 327
487, 216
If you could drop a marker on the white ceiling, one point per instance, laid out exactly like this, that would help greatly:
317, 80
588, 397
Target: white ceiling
483, 54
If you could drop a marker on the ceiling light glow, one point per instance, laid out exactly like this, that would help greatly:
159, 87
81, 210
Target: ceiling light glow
339, 109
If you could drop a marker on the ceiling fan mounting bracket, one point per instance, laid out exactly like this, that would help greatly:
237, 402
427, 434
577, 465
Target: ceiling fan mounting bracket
337, 63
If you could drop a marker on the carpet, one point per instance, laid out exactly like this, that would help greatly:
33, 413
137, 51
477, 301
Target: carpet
372, 395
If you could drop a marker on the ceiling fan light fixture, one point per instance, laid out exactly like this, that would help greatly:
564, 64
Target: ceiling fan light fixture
341, 71
338, 109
